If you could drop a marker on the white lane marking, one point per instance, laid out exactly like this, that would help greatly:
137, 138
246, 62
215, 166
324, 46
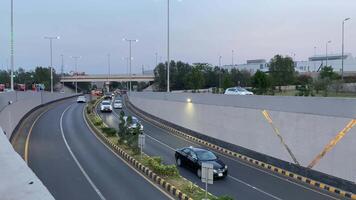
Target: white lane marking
75, 158
250, 166
243, 182
234, 178
128, 164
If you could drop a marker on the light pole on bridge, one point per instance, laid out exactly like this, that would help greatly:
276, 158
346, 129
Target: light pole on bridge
76, 72
50, 38
130, 57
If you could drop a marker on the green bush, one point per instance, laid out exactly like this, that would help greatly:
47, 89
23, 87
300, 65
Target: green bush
97, 121
225, 197
154, 163
109, 131
89, 109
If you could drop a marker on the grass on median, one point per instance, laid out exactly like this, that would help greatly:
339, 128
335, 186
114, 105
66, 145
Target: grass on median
169, 172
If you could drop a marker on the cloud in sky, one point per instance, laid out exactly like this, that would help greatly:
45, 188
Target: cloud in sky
201, 30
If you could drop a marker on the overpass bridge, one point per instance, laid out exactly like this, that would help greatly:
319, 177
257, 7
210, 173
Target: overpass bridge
106, 78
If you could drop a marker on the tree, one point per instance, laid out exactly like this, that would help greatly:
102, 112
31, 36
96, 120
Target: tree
328, 72
240, 77
261, 82
304, 79
227, 82
196, 78
4, 77
282, 70
161, 76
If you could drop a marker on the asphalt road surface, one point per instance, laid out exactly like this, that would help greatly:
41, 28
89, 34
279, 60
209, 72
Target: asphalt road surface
244, 181
73, 164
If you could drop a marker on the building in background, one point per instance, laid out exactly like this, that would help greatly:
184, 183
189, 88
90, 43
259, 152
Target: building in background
313, 64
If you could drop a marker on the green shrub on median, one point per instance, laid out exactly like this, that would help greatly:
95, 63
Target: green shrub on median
110, 132
155, 164
97, 121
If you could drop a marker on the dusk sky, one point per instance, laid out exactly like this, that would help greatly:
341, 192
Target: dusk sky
201, 30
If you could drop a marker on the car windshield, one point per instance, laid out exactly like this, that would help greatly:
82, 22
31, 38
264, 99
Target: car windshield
81, 97
241, 89
117, 101
205, 155
105, 103
135, 121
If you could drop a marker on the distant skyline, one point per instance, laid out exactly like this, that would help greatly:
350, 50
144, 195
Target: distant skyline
201, 30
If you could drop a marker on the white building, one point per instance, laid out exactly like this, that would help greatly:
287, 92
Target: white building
313, 64
251, 65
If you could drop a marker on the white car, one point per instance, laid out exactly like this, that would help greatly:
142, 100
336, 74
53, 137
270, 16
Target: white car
135, 123
81, 99
237, 91
105, 106
117, 104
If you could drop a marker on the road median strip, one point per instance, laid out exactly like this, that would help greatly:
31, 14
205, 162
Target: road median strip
176, 189
269, 167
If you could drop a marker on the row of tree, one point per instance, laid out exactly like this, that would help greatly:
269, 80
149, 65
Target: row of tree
281, 72
184, 76
21, 76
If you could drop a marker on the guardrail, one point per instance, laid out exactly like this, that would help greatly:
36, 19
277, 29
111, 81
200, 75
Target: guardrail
348, 191
133, 162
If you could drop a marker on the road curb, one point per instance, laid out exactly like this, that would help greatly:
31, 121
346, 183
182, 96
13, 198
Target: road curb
139, 166
244, 158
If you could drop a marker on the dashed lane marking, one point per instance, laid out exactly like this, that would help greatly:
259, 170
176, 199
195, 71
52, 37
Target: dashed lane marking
101, 196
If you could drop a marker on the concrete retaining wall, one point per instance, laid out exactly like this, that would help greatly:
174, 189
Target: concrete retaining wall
23, 102
17, 181
306, 124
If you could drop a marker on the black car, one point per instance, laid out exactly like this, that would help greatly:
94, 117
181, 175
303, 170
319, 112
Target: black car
192, 158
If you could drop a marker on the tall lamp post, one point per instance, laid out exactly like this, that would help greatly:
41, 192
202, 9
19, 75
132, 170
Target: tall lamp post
220, 57
232, 58
109, 72
342, 54
168, 59
326, 50
51, 56
62, 71
130, 57
76, 72
12, 45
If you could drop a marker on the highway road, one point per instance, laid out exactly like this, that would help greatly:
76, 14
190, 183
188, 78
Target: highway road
244, 181
73, 164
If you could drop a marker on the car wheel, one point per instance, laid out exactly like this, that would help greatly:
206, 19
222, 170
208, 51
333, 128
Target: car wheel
199, 173
179, 162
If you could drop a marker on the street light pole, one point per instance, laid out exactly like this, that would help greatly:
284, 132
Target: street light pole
342, 54
51, 57
232, 58
62, 70
156, 54
326, 49
76, 72
130, 57
314, 56
219, 73
109, 73
168, 59
12, 45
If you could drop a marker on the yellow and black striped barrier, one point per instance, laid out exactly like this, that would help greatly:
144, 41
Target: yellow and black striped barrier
136, 164
244, 158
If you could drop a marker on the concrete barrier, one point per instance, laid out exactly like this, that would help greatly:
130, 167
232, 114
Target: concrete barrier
306, 125
17, 181
22, 103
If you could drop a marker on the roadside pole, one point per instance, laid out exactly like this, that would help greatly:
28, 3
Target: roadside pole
207, 176
141, 143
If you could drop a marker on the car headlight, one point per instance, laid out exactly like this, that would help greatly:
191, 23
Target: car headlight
215, 171
225, 166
